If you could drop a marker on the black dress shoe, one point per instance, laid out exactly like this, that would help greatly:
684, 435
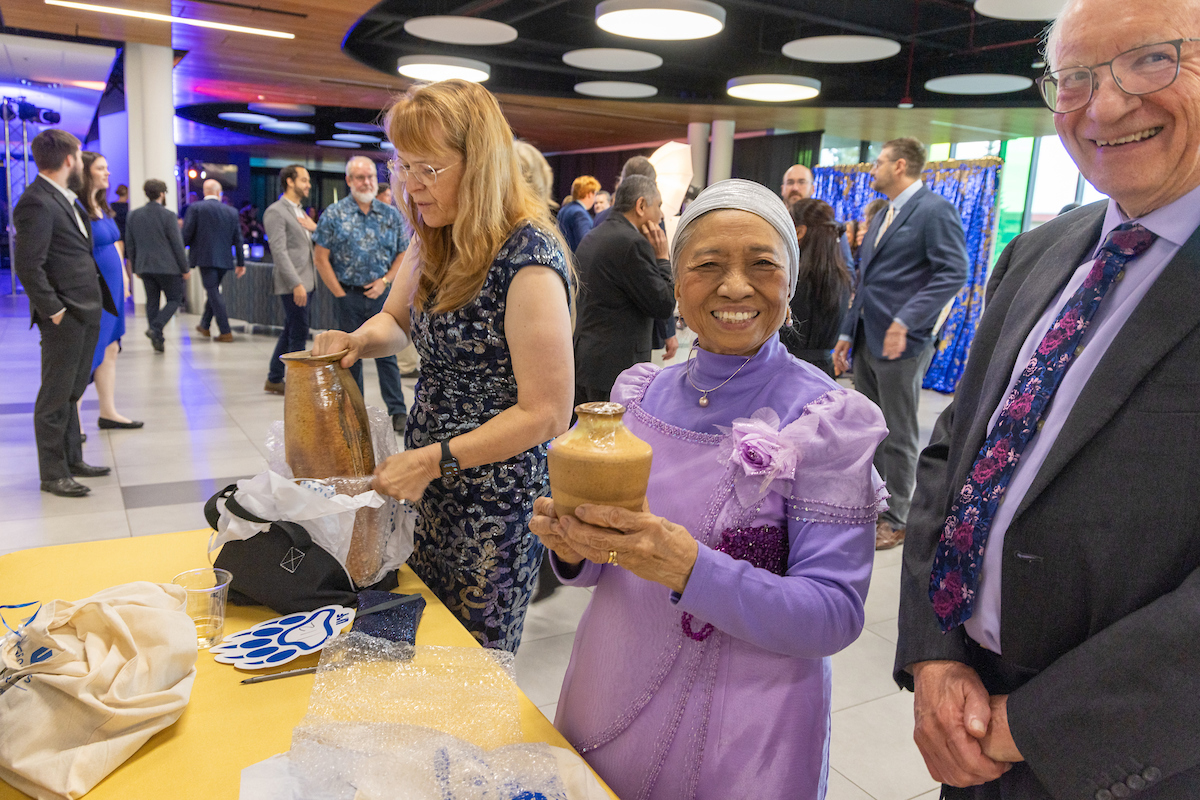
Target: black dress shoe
156, 339
398, 421
108, 424
82, 470
65, 487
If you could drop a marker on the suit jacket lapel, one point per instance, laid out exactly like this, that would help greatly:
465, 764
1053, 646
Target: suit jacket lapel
70, 212
902, 215
1165, 315
1054, 268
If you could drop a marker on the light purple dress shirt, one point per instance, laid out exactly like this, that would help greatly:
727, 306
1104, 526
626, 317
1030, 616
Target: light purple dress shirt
1173, 224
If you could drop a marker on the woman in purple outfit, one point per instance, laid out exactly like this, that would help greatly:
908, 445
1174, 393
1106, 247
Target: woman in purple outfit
701, 667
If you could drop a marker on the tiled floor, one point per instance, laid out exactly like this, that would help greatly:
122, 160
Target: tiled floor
207, 419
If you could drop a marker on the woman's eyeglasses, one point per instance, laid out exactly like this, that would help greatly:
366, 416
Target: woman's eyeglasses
1142, 70
424, 173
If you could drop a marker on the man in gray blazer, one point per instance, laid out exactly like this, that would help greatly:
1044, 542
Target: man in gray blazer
1074, 671
289, 235
912, 262
154, 247
54, 261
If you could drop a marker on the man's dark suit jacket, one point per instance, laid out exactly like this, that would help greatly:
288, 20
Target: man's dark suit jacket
919, 265
54, 259
1100, 584
213, 232
622, 289
153, 244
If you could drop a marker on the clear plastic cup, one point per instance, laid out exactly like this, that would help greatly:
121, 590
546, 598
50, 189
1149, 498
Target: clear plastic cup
207, 592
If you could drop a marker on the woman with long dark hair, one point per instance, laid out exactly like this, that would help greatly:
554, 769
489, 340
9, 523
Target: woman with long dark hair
823, 288
108, 249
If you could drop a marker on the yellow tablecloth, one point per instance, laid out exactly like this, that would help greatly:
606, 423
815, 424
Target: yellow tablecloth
223, 730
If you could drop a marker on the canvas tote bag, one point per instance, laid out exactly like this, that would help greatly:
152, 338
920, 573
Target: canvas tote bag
86, 683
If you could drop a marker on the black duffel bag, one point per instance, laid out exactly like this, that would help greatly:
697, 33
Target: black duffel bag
282, 567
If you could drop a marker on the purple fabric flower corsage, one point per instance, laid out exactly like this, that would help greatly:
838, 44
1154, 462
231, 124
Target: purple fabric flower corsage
764, 456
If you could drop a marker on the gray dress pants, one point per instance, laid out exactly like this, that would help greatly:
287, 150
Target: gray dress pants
894, 386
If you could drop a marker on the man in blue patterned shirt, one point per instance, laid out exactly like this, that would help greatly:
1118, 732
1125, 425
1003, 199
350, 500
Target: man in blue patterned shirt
358, 245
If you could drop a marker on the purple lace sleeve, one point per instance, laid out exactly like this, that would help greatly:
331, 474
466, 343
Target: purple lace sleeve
835, 480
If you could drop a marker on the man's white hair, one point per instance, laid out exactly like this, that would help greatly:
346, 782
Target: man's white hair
358, 159
1050, 37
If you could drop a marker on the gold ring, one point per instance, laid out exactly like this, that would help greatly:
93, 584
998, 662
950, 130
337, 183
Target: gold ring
612, 557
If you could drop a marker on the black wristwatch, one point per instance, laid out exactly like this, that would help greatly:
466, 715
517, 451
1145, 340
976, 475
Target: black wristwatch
449, 463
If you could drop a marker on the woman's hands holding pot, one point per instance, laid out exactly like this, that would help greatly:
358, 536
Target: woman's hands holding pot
405, 475
335, 342
649, 546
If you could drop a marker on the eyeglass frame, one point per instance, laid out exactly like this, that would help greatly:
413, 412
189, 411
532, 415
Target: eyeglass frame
400, 168
1178, 43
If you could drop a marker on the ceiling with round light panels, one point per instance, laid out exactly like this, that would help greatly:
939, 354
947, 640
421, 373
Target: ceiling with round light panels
1034, 10
979, 84
858, 52
612, 59
460, 30
622, 89
841, 49
350, 127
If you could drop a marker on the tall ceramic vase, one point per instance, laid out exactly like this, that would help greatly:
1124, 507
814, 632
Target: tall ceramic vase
599, 461
327, 434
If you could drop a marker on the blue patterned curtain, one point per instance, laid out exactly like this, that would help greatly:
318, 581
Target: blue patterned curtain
971, 186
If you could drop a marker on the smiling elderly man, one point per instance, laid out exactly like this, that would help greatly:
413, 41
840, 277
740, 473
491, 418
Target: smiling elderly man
1051, 587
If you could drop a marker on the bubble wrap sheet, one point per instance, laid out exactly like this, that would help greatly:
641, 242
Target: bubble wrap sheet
387, 721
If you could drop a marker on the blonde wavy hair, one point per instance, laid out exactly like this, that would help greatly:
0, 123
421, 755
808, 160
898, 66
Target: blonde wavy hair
462, 119
536, 170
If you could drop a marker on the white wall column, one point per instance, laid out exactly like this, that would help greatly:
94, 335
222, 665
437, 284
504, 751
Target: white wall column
150, 110
698, 141
720, 159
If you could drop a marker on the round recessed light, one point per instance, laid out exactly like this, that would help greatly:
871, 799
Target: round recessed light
286, 126
443, 68
460, 30
841, 49
660, 19
283, 109
905, 103
612, 59
773, 88
362, 138
979, 83
338, 143
623, 89
243, 117
1020, 9
358, 127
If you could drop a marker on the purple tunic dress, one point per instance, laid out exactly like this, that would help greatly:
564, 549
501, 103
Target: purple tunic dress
724, 691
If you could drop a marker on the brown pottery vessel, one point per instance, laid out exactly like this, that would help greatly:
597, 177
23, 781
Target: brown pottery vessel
599, 461
327, 434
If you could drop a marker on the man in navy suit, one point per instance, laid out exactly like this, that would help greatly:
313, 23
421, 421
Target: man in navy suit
912, 262
213, 233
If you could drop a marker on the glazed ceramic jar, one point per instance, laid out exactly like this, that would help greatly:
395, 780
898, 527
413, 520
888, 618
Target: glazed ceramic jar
599, 461
327, 434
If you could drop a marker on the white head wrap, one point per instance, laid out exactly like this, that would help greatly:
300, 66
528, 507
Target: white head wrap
741, 195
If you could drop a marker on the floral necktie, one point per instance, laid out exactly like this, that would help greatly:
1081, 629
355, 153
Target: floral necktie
959, 556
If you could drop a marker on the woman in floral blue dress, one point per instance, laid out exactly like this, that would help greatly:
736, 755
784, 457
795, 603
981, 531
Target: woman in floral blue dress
484, 293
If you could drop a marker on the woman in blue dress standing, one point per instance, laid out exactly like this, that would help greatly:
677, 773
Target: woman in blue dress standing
484, 293
108, 251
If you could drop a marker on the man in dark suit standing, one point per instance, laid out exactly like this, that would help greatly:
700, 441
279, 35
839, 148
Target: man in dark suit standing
213, 233
624, 285
1051, 588
912, 262
54, 261
154, 248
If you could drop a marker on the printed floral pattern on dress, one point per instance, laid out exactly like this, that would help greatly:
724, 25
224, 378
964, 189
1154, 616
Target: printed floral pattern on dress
959, 556
472, 542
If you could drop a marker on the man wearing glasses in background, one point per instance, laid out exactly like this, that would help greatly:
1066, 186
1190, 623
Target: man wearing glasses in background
1050, 601
357, 248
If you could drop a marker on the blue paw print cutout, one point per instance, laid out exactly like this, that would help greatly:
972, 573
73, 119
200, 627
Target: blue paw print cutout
278, 641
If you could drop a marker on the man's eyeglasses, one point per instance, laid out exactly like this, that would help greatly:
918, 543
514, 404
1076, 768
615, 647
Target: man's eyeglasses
1142, 70
424, 173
